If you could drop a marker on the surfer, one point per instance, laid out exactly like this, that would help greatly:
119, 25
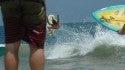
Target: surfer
24, 20
53, 25
122, 31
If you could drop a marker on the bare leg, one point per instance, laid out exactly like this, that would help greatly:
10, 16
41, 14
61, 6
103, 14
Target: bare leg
11, 56
36, 58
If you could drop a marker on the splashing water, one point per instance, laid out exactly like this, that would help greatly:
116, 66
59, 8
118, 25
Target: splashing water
79, 39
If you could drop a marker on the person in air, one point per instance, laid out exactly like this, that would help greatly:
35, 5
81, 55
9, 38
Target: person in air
51, 26
24, 20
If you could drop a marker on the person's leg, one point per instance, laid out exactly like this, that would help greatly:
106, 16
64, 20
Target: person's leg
11, 56
12, 41
36, 40
13, 33
36, 58
35, 23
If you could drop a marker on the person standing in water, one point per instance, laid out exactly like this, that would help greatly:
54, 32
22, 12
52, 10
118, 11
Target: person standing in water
24, 20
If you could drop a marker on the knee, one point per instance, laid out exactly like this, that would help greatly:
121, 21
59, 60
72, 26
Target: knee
11, 49
36, 51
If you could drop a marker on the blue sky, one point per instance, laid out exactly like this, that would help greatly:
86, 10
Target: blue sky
76, 10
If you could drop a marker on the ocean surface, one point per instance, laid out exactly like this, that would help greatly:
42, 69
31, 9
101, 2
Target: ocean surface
77, 46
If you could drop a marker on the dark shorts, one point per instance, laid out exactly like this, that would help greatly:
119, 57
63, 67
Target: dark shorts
24, 21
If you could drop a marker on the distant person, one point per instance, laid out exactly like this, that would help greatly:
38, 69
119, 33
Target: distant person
52, 24
122, 31
24, 20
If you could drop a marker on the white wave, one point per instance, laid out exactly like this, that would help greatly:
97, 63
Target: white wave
109, 37
2, 45
64, 50
80, 44
83, 43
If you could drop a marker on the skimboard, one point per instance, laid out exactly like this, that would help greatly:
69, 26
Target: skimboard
50, 30
112, 17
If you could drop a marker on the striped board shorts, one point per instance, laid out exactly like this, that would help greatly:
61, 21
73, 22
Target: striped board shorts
24, 20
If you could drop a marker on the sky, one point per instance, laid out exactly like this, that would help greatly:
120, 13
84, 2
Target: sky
76, 10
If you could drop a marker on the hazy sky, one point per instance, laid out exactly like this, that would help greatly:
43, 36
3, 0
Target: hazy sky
77, 10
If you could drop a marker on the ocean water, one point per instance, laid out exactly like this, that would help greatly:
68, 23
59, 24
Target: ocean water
77, 46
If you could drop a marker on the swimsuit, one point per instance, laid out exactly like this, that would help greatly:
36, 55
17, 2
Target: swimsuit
24, 20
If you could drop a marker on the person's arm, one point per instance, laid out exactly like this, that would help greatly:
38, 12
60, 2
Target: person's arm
56, 24
122, 31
